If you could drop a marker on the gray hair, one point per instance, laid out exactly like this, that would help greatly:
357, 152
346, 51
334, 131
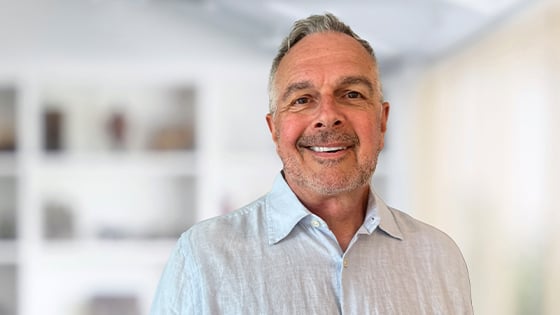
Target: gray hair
301, 28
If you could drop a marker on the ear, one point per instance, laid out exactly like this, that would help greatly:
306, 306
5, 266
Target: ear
271, 127
383, 122
384, 116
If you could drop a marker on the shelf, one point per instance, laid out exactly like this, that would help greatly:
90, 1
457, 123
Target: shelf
147, 252
8, 252
145, 163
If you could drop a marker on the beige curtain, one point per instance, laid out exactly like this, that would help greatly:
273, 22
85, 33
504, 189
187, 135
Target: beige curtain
486, 155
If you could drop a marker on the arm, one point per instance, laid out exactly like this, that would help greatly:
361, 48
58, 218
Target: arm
175, 294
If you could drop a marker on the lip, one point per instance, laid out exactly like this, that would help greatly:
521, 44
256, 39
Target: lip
328, 151
329, 144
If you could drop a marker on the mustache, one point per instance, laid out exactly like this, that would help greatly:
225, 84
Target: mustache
328, 137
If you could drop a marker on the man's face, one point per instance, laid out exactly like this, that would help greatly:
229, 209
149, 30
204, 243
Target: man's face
329, 123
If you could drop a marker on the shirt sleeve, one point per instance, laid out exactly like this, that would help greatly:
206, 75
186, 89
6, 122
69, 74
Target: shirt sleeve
174, 294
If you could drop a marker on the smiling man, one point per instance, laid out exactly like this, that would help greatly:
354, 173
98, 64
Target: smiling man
328, 124
321, 241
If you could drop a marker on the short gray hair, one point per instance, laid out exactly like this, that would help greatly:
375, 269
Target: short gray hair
301, 28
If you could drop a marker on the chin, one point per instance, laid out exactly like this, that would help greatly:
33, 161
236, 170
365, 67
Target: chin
335, 185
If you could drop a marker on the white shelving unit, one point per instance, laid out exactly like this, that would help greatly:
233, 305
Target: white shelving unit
96, 208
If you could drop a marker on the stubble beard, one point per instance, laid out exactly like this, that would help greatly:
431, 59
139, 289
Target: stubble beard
322, 181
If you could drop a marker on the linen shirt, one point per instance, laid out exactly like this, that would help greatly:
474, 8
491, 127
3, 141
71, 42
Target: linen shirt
274, 256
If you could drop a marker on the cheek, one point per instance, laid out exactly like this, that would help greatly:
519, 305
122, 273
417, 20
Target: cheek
288, 132
370, 134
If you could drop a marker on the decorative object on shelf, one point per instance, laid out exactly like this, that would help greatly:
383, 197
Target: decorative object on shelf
7, 224
7, 139
117, 130
173, 138
53, 130
177, 130
58, 221
113, 233
7, 119
105, 304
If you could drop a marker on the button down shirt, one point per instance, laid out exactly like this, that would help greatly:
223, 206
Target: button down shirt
274, 256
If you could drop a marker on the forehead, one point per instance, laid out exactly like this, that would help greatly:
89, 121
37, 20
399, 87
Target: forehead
324, 57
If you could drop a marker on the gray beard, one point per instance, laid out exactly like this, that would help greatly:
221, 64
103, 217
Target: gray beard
329, 186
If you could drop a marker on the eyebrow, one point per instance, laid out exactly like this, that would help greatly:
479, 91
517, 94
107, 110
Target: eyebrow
296, 86
360, 80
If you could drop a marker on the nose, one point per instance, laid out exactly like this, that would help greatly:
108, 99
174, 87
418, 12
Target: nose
329, 114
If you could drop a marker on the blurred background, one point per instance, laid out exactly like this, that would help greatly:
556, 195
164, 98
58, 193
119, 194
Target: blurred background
123, 122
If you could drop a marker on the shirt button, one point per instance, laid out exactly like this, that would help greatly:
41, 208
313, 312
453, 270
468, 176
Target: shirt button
345, 263
315, 223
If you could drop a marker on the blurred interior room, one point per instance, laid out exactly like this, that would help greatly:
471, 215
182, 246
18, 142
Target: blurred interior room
124, 122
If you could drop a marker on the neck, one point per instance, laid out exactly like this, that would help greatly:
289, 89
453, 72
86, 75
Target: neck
344, 213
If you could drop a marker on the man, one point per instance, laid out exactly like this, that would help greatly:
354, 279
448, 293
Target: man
321, 242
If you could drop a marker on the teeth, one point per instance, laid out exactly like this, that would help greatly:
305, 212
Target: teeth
326, 149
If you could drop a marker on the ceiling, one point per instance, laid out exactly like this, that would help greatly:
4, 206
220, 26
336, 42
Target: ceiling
396, 28
399, 30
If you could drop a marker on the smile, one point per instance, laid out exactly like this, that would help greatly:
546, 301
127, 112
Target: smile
327, 149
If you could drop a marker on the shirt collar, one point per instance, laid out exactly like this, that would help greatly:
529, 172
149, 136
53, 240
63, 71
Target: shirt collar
387, 221
371, 220
284, 211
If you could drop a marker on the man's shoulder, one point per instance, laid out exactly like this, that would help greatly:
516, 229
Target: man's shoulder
417, 231
237, 223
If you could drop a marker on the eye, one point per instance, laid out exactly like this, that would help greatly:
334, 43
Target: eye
301, 101
353, 94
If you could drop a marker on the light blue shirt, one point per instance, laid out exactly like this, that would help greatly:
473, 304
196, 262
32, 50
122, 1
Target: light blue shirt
273, 256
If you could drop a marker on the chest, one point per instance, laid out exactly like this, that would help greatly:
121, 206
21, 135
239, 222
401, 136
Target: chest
310, 275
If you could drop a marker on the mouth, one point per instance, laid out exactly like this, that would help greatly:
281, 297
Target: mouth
328, 144
327, 149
